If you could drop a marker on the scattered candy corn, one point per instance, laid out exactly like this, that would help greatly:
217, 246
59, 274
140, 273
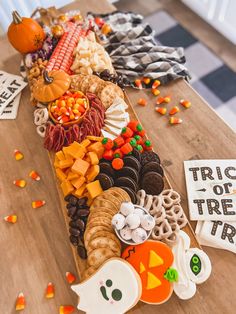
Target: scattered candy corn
146, 80
34, 175
142, 102
174, 110
37, 204
70, 277
165, 99
155, 91
18, 155
138, 83
11, 218
185, 103
20, 183
20, 302
49, 294
156, 83
66, 309
161, 110
174, 120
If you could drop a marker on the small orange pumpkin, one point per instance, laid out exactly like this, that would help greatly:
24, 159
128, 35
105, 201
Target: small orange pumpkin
25, 34
51, 86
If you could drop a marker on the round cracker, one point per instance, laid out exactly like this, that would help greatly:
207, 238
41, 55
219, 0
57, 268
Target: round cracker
99, 222
105, 203
109, 93
99, 215
125, 196
98, 256
108, 234
88, 272
89, 232
76, 81
103, 242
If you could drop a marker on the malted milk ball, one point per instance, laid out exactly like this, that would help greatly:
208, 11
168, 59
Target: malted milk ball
118, 221
125, 233
139, 235
126, 208
132, 221
147, 222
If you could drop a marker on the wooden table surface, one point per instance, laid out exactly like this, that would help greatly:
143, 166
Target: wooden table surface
36, 249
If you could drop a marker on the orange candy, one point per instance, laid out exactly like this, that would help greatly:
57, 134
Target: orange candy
174, 110
117, 163
126, 148
155, 84
50, 291
155, 91
20, 183
161, 110
38, 203
185, 103
66, 309
174, 120
20, 302
146, 80
70, 277
138, 83
165, 99
11, 218
142, 102
34, 175
18, 155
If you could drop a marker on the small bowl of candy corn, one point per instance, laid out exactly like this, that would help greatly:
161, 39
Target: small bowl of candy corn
69, 109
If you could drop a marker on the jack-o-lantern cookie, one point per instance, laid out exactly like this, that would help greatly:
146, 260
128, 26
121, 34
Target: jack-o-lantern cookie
152, 260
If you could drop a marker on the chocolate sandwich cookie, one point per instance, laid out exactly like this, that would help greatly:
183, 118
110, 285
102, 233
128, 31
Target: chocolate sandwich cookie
105, 180
136, 153
149, 156
129, 172
132, 162
128, 182
152, 166
131, 193
152, 183
106, 167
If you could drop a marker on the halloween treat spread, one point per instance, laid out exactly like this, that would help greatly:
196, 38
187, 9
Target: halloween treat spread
115, 192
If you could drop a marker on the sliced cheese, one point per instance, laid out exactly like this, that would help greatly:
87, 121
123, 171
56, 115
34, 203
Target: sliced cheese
108, 134
115, 123
112, 130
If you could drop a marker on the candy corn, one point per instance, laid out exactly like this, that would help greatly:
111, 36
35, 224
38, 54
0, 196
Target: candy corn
11, 218
146, 80
174, 110
37, 204
49, 294
185, 103
155, 91
18, 155
70, 277
138, 83
20, 183
174, 120
161, 110
165, 99
156, 83
20, 302
66, 309
142, 102
34, 175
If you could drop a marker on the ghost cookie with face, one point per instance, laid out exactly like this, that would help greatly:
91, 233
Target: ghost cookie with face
114, 288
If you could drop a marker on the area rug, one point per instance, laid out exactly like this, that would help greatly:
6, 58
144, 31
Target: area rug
211, 78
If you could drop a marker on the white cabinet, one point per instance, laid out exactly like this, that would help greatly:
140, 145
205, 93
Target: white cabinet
221, 14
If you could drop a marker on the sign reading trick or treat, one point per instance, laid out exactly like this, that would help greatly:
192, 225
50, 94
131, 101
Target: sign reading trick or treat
211, 188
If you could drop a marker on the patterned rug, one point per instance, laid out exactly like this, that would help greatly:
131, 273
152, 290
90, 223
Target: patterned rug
211, 78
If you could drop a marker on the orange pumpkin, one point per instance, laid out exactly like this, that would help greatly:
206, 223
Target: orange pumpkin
152, 261
25, 34
51, 86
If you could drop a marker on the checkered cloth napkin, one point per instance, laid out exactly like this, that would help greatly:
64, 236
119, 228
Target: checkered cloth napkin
135, 53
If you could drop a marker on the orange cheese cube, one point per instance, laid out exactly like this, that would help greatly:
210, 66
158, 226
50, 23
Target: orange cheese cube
97, 148
71, 176
66, 163
92, 173
93, 157
60, 155
60, 174
79, 192
56, 162
75, 150
85, 143
80, 167
90, 200
94, 189
66, 187
94, 138
77, 183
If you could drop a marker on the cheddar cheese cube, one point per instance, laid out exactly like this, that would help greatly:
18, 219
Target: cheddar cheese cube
94, 138
76, 150
60, 155
97, 148
94, 189
79, 192
66, 163
77, 183
56, 162
80, 167
92, 173
85, 143
66, 187
60, 174
65, 149
93, 158
71, 176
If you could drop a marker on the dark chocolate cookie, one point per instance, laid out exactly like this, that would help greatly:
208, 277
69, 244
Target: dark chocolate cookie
129, 172
128, 182
132, 162
152, 183
131, 193
106, 167
106, 181
152, 166
136, 153
149, 156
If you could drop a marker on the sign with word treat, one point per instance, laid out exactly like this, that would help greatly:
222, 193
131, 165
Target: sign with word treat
211, 188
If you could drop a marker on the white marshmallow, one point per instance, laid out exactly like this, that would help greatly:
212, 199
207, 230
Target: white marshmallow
127, 208
118, 221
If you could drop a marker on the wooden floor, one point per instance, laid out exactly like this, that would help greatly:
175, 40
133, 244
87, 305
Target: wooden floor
222, 47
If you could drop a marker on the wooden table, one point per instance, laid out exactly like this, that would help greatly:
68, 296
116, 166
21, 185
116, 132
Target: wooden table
36, 249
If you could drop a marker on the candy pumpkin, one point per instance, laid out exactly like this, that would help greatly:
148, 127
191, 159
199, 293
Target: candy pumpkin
25, 34
51, 86
152, 261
